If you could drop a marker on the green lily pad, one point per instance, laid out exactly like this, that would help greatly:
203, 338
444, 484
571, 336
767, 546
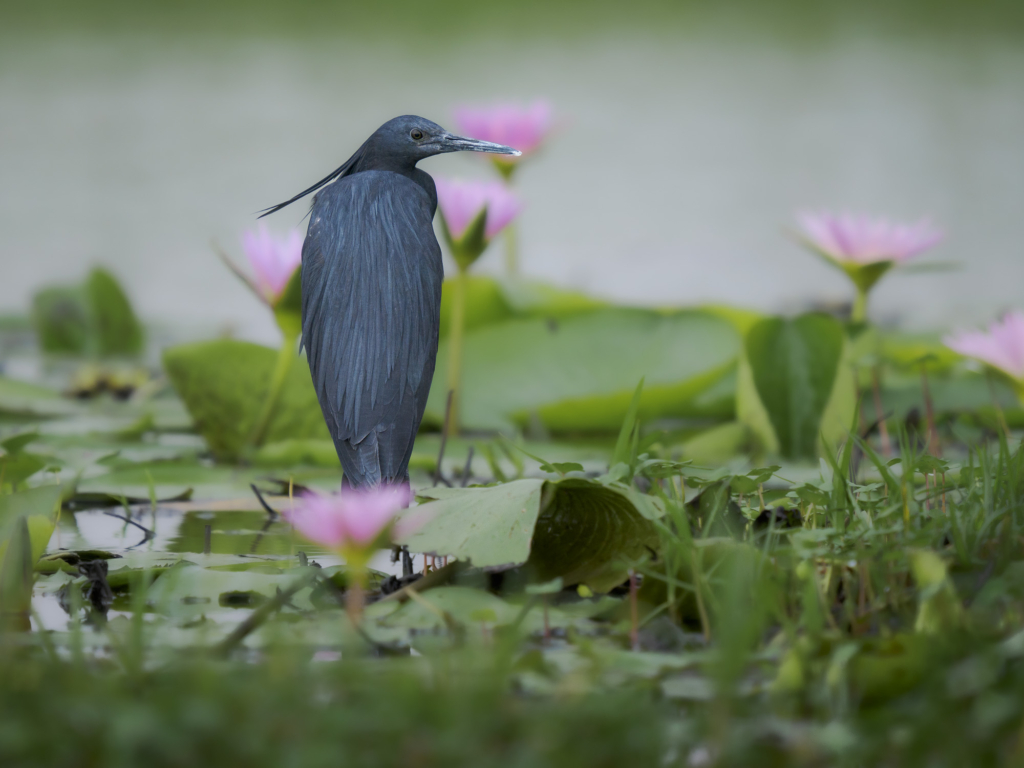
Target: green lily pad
224, 384
94, 318
579, 374
25, 399
796, 387
575, 529
38, 507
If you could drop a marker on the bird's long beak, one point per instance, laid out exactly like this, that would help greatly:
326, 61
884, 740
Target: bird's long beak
452, 143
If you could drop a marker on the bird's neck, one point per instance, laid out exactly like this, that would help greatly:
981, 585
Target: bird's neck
371, 161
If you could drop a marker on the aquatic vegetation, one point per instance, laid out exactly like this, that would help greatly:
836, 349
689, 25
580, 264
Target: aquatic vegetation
354, 524
471, 214
725, 564
1000, 348
864, 247
522, 127
95, 319
272, 259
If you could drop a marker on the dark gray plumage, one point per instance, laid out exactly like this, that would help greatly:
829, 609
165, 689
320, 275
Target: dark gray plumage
371, 295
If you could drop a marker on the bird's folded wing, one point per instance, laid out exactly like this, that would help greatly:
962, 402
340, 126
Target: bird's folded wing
371, 290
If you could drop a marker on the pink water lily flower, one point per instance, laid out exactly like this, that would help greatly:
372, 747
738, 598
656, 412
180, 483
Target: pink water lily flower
861, 239
272, 259
353, 520
1001, 347
523, 128
461, 201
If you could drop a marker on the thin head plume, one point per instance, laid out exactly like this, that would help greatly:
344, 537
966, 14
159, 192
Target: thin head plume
335, 174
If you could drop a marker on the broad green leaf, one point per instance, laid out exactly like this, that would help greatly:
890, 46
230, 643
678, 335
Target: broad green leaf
579, 374
317, 452
208, 482
115, 325
530, 298
62, 320
579, 530
38, 508
490, 301
16, 578
94, 318
587, 532
24, 399
224, 384
718, 444
792, 373
911, 350
15, 468
490, 527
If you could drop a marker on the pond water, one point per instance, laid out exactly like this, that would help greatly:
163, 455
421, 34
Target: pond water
680, 160
238, 540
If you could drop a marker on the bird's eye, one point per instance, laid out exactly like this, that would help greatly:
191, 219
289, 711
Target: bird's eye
416, 134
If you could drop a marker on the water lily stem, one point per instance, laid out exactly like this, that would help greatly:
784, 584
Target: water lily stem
355, 595
634, 618
285, 357
860, 307
511, 251
456, 334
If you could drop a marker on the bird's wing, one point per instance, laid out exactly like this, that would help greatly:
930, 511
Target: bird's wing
371, 297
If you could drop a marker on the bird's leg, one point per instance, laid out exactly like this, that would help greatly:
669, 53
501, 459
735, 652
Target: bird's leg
406, 563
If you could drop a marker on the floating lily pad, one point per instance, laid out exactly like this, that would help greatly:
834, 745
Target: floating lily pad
224, 384
94, 318
796, 385
578, 374
38, 507
576, 529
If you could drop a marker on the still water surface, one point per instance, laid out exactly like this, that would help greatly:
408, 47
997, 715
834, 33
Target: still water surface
673, 178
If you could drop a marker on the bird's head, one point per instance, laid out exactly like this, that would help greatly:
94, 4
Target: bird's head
397, 146
413, 138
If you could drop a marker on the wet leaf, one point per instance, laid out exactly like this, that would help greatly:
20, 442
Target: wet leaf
94, 318
794, 386
580, 373
576, 529
38, 508
16, 578
224, 385
116, 328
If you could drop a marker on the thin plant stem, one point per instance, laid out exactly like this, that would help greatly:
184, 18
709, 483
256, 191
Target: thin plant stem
512, 250
883, 430
285, 356
995, 404
355, 595
634, 620
933, 434
456, 335
859, 314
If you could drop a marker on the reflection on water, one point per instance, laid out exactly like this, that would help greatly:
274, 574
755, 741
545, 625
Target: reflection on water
164, 537
679, 165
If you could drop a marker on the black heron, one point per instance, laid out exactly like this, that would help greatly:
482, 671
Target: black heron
371, 295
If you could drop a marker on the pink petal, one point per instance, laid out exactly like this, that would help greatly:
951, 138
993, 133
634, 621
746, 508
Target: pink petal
523, 128
370, 511
460, 202
1002, 346
354, 518
860, 239
273, 260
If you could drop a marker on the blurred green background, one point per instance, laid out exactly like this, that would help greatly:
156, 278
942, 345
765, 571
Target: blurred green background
132, 134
